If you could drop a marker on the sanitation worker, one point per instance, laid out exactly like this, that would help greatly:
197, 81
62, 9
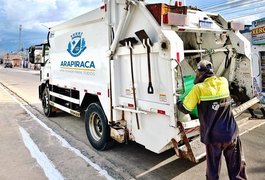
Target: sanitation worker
218, 128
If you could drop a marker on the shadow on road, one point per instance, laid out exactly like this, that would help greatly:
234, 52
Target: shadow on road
133, 158
144, 164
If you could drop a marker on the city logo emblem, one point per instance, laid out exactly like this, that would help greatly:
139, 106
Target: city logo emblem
215, 106
77, 44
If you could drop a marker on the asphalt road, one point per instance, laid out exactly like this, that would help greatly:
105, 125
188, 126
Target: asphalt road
124, 161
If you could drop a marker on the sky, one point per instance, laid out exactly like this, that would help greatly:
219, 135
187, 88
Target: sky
35, 16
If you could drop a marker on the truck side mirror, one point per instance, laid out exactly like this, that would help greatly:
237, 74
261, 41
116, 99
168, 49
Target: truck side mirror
32, 54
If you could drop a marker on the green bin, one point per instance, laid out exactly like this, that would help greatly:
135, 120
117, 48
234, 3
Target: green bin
188, 84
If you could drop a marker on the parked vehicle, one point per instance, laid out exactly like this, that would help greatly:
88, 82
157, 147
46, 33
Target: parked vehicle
8, 65
126, 63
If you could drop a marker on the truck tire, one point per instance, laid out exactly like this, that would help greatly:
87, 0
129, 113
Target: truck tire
97, 128
47, 108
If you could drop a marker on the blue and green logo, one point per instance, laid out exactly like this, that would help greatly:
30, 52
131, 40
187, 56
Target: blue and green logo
77, 44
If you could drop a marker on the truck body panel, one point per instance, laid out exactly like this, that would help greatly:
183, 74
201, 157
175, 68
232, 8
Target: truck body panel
89, 70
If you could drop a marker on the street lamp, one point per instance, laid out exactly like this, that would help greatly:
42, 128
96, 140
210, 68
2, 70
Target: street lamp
7, 57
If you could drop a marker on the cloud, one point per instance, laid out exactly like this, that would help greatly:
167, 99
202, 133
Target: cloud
35, 16
27, 12
32, 13
247, 19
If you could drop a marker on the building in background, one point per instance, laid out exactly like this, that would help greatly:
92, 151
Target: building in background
255, 33
13, 58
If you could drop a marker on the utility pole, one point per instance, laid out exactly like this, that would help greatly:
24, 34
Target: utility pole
20, 43
20, 46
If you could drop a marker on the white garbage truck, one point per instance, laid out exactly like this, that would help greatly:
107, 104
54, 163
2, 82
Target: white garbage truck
125, 65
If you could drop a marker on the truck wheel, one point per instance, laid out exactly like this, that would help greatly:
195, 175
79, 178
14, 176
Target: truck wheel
47, 108
97, 128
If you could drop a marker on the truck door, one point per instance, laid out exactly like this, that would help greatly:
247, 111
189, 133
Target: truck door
45, 70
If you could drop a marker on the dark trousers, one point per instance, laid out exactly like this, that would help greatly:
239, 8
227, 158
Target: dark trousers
234, 158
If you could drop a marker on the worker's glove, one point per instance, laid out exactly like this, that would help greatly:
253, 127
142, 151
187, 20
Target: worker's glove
181, 107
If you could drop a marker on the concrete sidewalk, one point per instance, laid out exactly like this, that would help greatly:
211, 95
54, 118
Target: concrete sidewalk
24, 136
16, 161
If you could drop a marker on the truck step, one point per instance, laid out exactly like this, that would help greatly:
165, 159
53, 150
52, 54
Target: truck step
198, 149
129, 110
68, 110
193, 151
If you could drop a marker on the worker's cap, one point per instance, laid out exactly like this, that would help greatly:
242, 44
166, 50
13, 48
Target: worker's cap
205, 66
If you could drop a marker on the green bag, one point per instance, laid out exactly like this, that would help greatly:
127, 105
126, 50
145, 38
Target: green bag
188, 84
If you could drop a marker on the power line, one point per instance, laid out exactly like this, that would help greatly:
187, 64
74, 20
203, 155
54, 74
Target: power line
238, 6
209, 5
215, 5
257, 7
246, 15
230, 4
243, 10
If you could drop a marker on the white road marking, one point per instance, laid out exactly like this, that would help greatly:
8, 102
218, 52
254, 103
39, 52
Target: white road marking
61, 139
48, 167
